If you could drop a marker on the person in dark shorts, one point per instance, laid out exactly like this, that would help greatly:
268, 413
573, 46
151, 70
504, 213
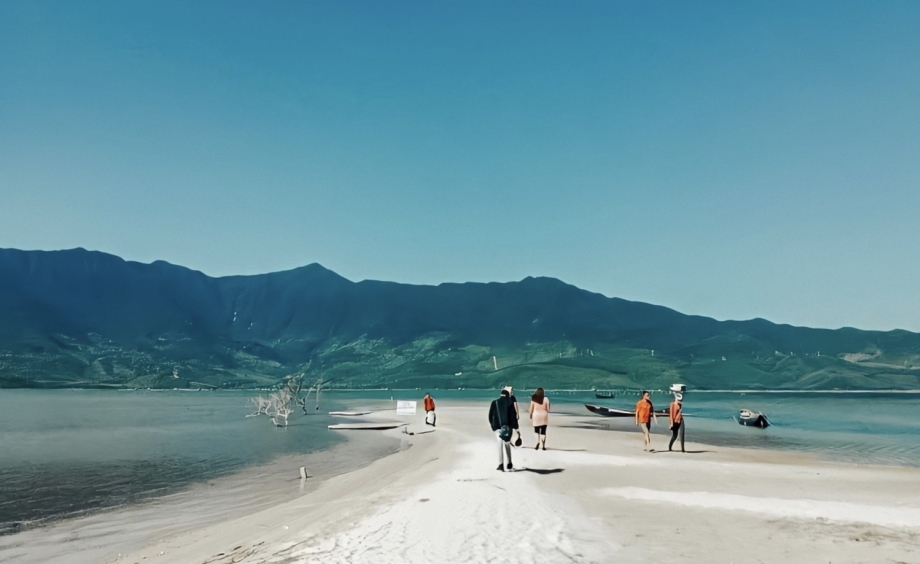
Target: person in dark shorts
676, 417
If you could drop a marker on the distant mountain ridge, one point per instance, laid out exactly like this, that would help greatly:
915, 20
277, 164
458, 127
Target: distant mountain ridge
86, 318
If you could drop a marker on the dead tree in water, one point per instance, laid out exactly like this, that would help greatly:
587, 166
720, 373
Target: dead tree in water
282, 404
279, 405
261, 404
317, 387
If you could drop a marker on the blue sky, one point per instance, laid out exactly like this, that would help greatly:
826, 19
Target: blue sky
735, 160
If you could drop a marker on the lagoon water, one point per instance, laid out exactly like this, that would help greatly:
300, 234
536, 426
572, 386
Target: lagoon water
870, 428
68, 452
863, 427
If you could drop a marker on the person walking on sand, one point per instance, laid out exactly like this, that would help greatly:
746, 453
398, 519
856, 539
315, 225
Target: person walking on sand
676, 417
645, 412
501, 414
539, 415
430, 416
517, 416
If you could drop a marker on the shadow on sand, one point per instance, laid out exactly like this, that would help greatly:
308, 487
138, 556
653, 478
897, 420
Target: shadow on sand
543, 471
601, 425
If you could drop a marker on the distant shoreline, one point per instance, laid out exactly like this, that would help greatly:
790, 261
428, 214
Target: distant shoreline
471, 389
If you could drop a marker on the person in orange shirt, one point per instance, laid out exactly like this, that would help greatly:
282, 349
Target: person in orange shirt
676, 416
429, 410
645, 412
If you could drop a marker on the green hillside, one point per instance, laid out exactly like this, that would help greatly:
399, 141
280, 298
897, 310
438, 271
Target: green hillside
86, 319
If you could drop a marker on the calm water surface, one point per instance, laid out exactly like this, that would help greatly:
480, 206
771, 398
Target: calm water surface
876, 428
66, 452
873, 428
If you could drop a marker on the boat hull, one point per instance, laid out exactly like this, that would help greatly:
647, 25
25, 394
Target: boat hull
758, 420
614, 412
366, 426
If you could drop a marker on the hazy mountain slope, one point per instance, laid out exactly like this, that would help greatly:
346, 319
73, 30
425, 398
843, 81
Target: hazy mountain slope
87, 318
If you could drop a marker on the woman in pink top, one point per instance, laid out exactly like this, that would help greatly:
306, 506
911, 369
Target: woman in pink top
539, 414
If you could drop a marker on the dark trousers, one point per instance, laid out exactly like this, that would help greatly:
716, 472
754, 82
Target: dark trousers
675, 429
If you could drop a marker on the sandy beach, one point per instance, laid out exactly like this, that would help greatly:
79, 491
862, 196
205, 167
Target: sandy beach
593, 496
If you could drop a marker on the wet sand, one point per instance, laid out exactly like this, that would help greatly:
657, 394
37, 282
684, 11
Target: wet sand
594, 496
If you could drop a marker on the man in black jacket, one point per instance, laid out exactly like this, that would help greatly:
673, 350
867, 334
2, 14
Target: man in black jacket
501, 416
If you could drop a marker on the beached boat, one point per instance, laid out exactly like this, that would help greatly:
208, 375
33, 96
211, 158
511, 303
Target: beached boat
366, 426
614, 412
604, 394
750, 418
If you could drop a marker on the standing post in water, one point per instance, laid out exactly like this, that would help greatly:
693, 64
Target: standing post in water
645, 412
430, 417
676, 416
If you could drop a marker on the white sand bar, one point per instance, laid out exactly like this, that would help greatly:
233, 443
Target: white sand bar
595, 496
885, 516
470, 513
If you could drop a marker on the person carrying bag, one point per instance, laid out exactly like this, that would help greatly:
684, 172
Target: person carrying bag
501, 414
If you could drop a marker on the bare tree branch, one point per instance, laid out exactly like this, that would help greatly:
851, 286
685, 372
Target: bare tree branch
278, 406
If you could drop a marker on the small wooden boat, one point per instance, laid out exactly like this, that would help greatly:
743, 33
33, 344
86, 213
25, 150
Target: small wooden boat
609, 411
348, 413
366, 426
604, 394
750, 418
614, 412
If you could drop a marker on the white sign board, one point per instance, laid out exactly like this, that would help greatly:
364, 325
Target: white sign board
405, 407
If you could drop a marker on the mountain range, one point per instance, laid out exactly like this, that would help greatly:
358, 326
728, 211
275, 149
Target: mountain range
78, 318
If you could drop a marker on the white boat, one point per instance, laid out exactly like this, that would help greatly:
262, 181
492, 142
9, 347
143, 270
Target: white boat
366, 426
750, 418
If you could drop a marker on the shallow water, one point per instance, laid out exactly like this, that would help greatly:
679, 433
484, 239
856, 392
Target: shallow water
66, 452
872, 427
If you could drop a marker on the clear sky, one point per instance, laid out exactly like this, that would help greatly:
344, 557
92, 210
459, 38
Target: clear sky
735, 160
